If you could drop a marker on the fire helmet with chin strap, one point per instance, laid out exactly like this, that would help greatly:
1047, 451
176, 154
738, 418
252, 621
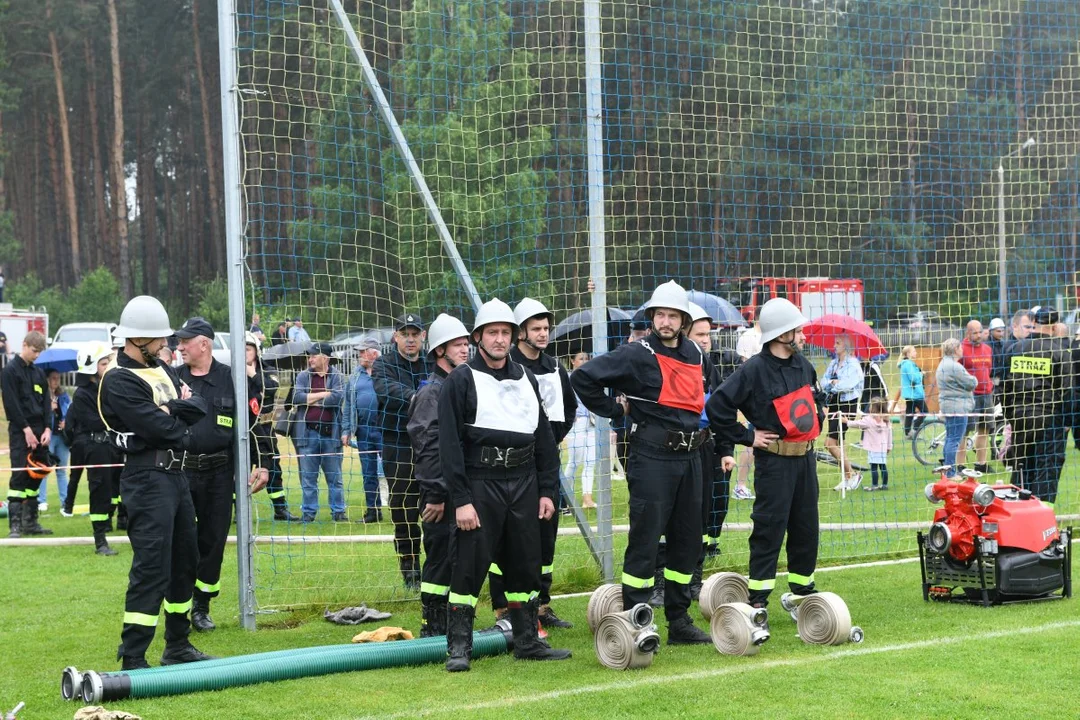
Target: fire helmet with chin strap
777, 317
442, 330
672, 296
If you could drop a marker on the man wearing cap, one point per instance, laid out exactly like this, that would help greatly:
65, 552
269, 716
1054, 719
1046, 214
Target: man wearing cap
28, 408
777, 392
297, 333
209, 464
319, 392
148, 415
1038, 378
397, 376
661, 377
501, 468
449, 343
360, 424
560, 405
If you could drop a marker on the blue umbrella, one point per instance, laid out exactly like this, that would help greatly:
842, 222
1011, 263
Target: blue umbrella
59, 359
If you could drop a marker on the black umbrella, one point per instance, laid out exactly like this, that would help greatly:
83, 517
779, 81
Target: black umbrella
574, 334
288, 356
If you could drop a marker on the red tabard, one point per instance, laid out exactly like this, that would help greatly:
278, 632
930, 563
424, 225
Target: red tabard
798, 415
681, 387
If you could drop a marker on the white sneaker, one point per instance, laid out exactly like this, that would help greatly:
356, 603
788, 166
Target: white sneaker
43, 507
65, 513
743, 493
854, 481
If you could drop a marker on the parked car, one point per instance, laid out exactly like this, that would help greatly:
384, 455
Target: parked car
221, 351
76, 336
914, 320
1072, 319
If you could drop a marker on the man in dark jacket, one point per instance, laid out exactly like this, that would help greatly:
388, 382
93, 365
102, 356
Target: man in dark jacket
502, 469
449, 342
661, 375
28, 408
776, 390
397, 377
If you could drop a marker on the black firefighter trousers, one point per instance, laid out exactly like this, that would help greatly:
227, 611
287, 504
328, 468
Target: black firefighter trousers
397, 455
436, 572
665, 499
165, 553
549, 533
509, 535
212, 495
787, 502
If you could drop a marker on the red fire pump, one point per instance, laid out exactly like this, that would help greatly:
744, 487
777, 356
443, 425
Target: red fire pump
993, 544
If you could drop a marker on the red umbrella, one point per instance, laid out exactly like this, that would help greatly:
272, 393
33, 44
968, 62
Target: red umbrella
823, 332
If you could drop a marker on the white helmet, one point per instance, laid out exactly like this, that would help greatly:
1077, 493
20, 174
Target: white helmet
698, 313
88, 357
529, 308
442, 330
494, 311
777, 317
250, 339
143, 317
669, 295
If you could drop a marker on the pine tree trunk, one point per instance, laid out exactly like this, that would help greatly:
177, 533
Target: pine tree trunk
53, 250
147, 209
70, 206
216, 240
101, 217
119, 188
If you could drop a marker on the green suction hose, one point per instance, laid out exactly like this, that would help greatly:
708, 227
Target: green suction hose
271, 667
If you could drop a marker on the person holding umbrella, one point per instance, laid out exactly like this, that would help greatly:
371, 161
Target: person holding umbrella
843, 386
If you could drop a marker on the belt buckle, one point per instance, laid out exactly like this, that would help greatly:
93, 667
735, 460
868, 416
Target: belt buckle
496, 456
174, 460
683, 443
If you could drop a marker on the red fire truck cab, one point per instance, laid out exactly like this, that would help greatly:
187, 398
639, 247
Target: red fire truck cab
814, 296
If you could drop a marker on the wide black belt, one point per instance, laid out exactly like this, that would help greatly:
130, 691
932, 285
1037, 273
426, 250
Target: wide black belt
671, 440
206, 461
100, 437
160, 459
500, 457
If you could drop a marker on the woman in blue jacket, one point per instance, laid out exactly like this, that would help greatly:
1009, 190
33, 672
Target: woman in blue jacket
912, 391
58, 446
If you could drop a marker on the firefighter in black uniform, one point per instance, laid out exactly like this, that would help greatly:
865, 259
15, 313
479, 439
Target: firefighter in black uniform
210, 464
262, 428
149, 416
534, 327
501, 467
397, 376
92, 443
1038, 380
776, 390
28, 408
661, 376
449, 343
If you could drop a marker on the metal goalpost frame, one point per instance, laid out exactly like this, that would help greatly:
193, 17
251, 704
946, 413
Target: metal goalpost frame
234, 239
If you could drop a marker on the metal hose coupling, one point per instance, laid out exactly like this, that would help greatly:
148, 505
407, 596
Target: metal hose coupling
605, 600
71, 683
739, 629
822, 618
722, 588
627, 640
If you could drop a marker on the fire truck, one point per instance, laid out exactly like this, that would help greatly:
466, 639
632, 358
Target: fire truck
814, 296
16, 323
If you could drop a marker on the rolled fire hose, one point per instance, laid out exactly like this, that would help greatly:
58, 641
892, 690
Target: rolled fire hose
739, 629
822, 618
605, 600
722, 588
627, 640
310, 662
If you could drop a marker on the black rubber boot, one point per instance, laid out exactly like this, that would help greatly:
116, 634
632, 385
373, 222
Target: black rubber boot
527, 644
410, 574
15, 519
181, 652
657, 599
695, 579
200, 616
433, 617
30, 524
101, 544
459, 631
549, 619
133, 663
281, 512
682, 631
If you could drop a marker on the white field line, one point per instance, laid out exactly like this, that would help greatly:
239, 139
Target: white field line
641, 680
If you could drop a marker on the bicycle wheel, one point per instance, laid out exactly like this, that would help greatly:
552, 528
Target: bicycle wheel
928, 441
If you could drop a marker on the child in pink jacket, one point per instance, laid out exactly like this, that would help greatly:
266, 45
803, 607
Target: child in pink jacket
877, 440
